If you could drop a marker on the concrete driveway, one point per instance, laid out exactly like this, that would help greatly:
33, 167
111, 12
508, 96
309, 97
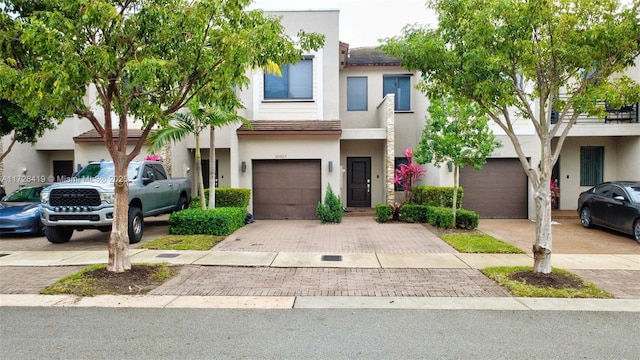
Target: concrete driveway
568, 237
82, 240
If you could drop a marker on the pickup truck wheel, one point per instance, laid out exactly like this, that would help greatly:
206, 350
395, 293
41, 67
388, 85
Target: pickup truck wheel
136, 225
182, 204
58, 234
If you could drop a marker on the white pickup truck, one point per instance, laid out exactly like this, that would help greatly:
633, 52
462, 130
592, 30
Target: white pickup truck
86, 200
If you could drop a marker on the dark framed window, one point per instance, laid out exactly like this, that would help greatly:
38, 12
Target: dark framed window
591, 165
357, 93
296, 82
399, 161
400, 85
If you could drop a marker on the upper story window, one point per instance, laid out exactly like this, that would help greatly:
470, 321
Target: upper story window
400, 85
357, 93
296, 82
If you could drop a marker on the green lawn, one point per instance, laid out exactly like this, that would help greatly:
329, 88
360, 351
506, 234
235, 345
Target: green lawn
182, 242
479, 243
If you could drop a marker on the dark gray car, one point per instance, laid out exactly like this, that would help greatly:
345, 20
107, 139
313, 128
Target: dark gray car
614, 205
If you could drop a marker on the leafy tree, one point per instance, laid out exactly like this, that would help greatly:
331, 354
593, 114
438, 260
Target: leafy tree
196, 120
144, 60
23, 127
457, 132
482, 50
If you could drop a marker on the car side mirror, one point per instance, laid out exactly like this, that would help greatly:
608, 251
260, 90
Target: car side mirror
149, 178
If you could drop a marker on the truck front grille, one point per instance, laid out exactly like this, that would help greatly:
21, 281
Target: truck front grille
74, 197
75, 217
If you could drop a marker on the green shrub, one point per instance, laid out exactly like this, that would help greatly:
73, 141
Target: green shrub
383, 213
440, 217
232, 197
225, 197
466, 219
443, 217
413, 213
438, 196
219, 221
331, 211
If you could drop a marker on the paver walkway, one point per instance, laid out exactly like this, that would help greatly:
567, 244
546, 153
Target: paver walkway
360, 234
234, 281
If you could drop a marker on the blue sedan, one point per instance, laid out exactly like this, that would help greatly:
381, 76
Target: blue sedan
20, 212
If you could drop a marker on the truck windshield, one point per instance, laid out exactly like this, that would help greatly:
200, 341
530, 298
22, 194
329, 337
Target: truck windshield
105, 171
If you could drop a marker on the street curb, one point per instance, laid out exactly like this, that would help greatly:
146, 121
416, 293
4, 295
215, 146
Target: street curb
322, 302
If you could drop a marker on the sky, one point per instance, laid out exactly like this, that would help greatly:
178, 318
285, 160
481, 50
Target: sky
362, 22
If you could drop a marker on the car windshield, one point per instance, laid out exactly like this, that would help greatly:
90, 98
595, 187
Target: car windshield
105, 171
635, 192
31, 194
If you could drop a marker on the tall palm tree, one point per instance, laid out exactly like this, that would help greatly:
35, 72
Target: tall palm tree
194, 121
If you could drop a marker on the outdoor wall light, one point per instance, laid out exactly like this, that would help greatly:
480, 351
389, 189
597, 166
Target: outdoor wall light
330, 166
243, 166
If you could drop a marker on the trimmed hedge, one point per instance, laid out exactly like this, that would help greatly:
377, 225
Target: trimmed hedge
436, 216
225, 197
413, 213
440, 217
384, 213
438, 196
219, 221
466, 219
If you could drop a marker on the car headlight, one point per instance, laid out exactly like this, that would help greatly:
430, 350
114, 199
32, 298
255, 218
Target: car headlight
29, 212
44, 197
109, 197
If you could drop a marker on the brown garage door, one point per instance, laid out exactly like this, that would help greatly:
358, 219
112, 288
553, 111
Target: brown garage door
499, 190
286, 189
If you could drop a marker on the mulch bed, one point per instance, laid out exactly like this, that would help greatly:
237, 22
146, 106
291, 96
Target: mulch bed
137, 281
556, 281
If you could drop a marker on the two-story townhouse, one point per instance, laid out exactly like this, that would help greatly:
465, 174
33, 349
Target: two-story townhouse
344, 117
594, 151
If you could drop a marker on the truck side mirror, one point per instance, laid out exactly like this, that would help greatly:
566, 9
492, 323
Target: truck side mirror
149, 178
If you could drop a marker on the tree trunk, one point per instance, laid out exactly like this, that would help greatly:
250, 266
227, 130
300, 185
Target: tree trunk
542, 247
212, 167
203, 204
455, 193
119, 260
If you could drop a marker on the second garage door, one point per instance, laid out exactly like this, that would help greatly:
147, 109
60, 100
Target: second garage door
286, 189
499, 190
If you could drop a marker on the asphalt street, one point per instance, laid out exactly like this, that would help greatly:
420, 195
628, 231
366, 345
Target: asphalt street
127, 333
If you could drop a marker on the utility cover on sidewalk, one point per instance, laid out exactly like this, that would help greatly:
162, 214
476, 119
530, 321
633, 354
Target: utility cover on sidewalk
331, 258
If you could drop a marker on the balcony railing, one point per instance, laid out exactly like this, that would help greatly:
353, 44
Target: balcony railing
626, 114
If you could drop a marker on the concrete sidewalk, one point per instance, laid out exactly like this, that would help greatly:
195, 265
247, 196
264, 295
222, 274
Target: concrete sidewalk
321, 260
303, 264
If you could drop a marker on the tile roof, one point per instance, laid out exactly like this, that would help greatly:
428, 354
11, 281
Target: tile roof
292, 127
369, 56
92, 136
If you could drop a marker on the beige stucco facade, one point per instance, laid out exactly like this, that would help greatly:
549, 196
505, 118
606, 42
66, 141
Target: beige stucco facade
378, 133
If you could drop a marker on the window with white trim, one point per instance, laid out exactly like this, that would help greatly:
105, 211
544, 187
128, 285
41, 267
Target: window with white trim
296, 82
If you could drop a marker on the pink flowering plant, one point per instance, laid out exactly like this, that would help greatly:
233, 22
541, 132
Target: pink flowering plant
154, 157
407, 175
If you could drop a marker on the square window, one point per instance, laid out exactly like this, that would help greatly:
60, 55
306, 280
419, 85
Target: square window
296, 82
400, 85
591, 165
357, 93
